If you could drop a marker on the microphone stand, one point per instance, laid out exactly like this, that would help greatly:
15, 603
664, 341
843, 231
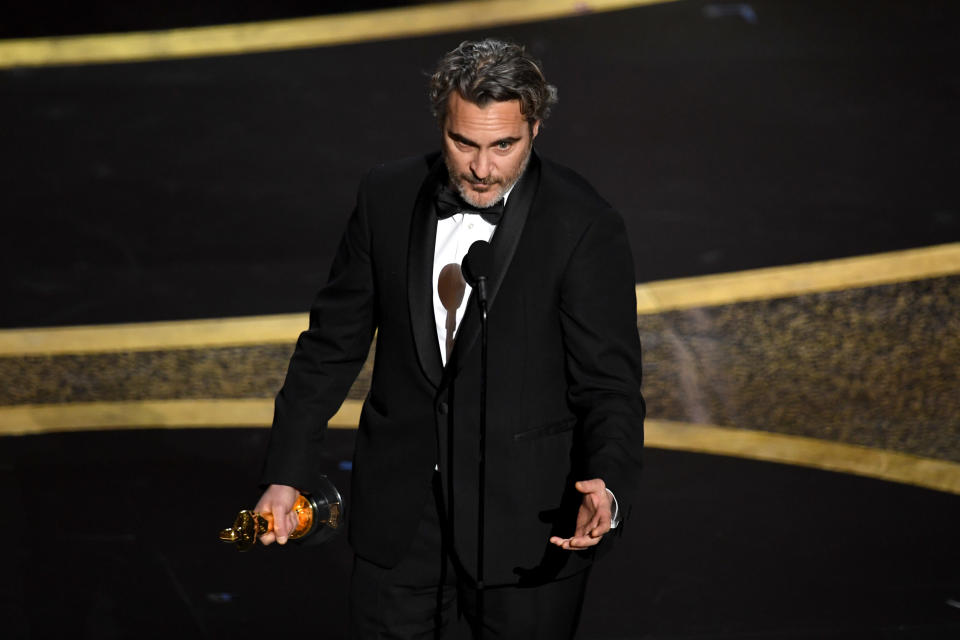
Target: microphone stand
482, 446
476, 265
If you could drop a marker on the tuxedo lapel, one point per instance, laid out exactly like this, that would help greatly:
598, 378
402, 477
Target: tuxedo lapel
423, 238
503, 246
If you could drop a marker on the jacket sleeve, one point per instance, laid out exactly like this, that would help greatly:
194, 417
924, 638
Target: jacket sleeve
327, 359
599, 320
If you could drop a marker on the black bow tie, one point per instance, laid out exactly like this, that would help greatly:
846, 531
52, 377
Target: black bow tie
449, 202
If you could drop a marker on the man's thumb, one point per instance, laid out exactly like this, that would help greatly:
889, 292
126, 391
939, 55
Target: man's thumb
590, 486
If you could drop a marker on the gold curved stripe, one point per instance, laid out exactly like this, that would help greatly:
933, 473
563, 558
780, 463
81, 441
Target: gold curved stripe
662, 434
652, 297
173, 414
154, 336
883, 464
799, 279
294, 33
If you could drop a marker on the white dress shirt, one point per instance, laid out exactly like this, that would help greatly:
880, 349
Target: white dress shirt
454, 237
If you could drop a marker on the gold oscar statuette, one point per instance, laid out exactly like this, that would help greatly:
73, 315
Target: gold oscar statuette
319, 517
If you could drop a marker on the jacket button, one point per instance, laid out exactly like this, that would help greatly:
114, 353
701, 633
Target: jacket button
442, 408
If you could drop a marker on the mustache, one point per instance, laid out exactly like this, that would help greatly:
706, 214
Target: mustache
489, 180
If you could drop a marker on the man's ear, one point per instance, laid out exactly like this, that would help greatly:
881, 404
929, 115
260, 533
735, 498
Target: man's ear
535, 128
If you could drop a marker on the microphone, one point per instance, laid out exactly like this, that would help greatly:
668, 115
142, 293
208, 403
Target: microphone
477, 266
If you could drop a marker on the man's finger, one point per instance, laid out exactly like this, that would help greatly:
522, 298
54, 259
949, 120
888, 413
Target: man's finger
563, 543
583, 542
587, 527
601, 523
292, 522
576, 543
281, 525
601, 528
591, 486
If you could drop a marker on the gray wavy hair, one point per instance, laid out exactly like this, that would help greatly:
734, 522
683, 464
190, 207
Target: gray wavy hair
484, 71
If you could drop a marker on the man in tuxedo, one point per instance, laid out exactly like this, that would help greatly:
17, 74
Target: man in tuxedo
564, 408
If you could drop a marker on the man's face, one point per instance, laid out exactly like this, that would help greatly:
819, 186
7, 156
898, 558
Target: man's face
485, 148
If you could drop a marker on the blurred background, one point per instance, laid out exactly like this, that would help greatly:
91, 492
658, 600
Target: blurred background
175, 178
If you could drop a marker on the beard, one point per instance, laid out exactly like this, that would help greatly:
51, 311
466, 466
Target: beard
500, 184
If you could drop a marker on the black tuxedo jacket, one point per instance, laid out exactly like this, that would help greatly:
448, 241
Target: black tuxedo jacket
563, 403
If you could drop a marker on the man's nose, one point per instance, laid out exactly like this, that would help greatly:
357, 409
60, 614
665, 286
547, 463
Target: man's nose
481, 165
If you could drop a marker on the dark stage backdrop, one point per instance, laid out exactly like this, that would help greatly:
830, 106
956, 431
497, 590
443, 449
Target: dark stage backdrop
730, 136
219, 186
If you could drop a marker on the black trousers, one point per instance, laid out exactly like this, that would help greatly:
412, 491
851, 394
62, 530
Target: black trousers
427, 597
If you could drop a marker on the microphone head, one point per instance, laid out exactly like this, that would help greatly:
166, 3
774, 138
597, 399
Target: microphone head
478, 262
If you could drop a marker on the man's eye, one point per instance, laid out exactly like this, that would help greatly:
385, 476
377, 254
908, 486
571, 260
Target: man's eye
503, 146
